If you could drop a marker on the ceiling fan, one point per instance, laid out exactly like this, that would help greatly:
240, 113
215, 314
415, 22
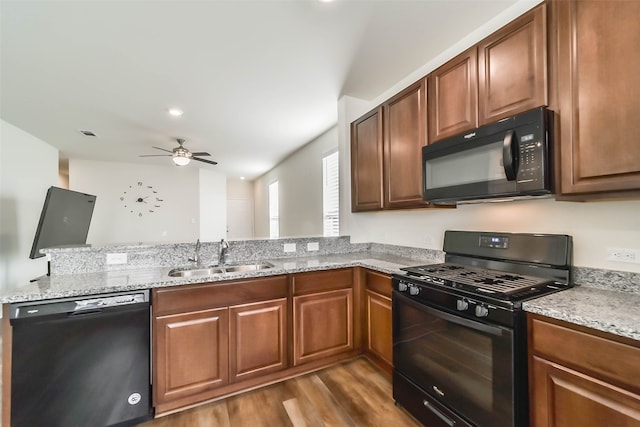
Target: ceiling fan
181, 156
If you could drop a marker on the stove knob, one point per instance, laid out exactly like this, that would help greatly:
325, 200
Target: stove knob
481, 311
462, 305
402, 287
414, 290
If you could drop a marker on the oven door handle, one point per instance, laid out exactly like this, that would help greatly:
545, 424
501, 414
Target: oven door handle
493, 330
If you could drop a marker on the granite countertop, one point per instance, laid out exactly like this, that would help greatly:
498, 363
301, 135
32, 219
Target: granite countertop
612, 311
606, 310
80, 284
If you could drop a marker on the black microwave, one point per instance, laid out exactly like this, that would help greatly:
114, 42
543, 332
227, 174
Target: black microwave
503, 160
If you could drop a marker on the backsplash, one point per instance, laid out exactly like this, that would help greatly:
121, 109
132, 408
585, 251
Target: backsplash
94, 259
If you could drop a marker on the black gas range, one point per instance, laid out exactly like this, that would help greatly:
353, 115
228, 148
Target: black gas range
460, 349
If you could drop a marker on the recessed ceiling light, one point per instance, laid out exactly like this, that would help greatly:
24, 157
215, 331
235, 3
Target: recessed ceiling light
242, 177
176, 112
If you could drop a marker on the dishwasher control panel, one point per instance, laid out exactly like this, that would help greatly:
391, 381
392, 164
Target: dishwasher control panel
70, 306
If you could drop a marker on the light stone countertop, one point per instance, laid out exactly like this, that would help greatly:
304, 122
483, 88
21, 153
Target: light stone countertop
610, 311
81, 284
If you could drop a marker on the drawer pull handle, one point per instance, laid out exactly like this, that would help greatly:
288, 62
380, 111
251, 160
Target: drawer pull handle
439, 414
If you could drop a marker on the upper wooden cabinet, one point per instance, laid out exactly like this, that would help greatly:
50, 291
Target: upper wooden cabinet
404, 123
512, 68
596, 65
453, 96
366, 162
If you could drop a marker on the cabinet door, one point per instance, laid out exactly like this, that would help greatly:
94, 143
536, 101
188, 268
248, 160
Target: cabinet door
597, 97
453, 96
512, 68
562, 397
405, 121
378, 321
366, 162
257, 341
322, 325
191, 353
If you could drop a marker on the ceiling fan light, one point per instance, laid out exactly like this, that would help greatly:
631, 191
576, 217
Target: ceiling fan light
181, 160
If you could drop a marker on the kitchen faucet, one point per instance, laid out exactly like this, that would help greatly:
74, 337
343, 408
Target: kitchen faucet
223, 251
196, 256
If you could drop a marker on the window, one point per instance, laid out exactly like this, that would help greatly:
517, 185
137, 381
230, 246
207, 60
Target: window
274, 212
330, 195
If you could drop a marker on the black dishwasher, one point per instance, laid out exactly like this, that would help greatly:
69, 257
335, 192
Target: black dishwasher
81, 361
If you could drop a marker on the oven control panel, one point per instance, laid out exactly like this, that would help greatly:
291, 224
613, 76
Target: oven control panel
472, 307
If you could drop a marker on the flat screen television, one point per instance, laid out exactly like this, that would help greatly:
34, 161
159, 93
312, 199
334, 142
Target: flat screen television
64, 220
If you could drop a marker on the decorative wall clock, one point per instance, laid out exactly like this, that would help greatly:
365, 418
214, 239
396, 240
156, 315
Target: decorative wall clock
140, 199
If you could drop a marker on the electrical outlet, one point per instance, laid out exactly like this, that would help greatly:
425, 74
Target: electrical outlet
623, 255
117, 258
289, 247
313, 246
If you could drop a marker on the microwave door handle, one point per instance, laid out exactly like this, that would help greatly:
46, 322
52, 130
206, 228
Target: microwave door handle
510, 155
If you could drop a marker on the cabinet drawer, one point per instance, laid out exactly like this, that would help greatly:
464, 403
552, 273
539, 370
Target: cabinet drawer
379, 283
319, 281
221, 294
604, 358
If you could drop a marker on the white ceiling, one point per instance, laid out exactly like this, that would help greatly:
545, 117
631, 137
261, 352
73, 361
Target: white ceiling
256, 79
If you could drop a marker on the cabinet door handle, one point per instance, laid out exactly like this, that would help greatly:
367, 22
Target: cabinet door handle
439, 413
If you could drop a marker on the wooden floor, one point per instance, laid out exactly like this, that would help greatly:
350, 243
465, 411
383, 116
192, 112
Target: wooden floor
354, 393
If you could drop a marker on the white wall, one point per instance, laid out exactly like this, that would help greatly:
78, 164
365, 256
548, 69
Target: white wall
300, 189
595, 226
176, 220
28, 167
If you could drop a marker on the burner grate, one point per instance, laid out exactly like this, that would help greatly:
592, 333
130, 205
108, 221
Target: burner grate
478, 279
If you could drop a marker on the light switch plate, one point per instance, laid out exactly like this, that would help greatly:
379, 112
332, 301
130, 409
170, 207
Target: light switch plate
313, 246
117, 258
289, 247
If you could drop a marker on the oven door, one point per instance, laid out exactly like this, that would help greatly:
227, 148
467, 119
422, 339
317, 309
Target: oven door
465, 365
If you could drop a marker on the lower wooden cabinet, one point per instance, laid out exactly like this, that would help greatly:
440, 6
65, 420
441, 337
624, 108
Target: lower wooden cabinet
192, 353
322, 325
257, 340
378, 344
213, 339
581, 377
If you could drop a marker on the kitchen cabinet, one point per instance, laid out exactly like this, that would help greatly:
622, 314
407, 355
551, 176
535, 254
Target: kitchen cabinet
323, 315
208, 337
453, 96
193, 350
377, 319
595, 67
512, 68
366, 162
581, 377
404, 124
257, 339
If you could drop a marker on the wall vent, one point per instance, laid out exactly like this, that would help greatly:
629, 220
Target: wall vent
87, 133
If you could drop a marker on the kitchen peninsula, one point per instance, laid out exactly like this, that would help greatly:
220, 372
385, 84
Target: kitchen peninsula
337, 278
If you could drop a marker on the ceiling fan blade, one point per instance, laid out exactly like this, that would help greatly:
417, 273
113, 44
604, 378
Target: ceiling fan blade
158, 148
201, 153
155, 155
205, 161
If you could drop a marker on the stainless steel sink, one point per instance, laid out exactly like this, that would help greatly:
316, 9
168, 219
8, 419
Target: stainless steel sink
213, 270
235, 268
196, 271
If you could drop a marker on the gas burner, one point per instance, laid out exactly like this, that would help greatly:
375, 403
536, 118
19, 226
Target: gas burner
468, 273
